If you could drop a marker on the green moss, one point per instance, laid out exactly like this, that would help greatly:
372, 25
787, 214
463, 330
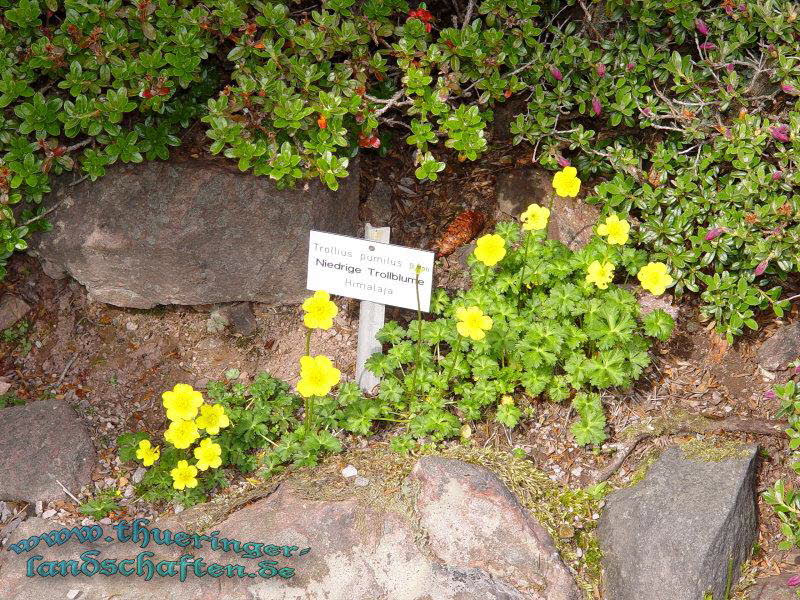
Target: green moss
713, 449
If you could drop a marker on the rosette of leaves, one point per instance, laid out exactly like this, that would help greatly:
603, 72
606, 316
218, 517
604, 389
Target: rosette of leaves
554, 337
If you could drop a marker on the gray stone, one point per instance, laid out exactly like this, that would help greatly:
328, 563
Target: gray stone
358, 550
12, 309
468, 514
190, 231
671, 536
378, 206
240, 318
41, 442
571, 219
772, 588
781, 348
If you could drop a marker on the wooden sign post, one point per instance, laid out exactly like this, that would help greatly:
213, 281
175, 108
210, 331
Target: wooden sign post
371, 319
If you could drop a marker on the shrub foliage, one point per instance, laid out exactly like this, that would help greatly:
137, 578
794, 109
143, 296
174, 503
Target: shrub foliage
685, 109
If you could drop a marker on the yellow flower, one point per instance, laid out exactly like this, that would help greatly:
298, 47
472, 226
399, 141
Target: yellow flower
181, 434
490, 249
616, 230
319, 311
208, 455
184, 475
472, 323
212, 418
566, 182
182, 402
535, 217
317, 376
654, 278
600, 274
147, 454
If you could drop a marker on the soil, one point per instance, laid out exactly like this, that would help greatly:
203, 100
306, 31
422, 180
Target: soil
112, 364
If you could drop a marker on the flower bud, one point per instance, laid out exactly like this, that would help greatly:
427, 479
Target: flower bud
707, 46
729, 67
793, 581
701, 26
762, 266
601, 70
630, 66
770, 395
562, 162
777, 175
714, 233
789, 89
597, 107
780, 132
556, 74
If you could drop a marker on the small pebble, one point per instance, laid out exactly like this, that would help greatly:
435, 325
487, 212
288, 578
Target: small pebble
138, 475
38, 507
131, 326
49, 514
178, 509
349, 471
361, 481
73, 594
105, 521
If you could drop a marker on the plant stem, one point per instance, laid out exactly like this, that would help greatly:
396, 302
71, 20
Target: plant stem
308, 402
455, 360
419, 333
526, 244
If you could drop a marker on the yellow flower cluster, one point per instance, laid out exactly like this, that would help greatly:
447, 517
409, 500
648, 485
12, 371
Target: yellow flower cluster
188, 415
600, 273
317, 376
490, 249
319, 311
472, 323
535, 217
654, 278
566, 182
615, 230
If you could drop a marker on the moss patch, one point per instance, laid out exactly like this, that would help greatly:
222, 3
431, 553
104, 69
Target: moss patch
713, 449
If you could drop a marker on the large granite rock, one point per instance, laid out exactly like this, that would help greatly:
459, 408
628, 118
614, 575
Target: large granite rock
190, 231
358, 551
671, 537
42, 443
781, 348
571, 219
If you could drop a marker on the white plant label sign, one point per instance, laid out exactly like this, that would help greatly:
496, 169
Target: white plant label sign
367, 270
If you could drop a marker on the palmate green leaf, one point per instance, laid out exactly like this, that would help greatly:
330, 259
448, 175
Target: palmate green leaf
610, 327
508, 414
658, 324
590, 429
608, 368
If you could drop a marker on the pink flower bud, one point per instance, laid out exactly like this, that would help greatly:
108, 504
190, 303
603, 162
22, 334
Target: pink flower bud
742, 8
762, 266
797, 372
777, 175
556, 74
647, 112
707, 46
562, 162
793, 581
770, 395
714, 233
601, 70
780, 132
701, 26
729, 67
789, 89
729, 88
630, 66
597, 107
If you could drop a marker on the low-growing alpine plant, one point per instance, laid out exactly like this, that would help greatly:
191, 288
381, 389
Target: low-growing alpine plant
540, 321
